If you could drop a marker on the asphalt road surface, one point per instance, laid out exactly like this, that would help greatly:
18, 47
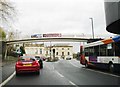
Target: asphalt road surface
65, 72
0, 68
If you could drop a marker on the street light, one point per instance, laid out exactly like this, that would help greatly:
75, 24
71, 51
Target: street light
92, 27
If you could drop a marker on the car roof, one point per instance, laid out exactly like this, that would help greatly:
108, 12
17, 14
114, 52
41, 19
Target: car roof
27, 57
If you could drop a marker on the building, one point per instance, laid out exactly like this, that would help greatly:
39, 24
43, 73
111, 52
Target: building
59, 51
55, 51
112, 11
34, 49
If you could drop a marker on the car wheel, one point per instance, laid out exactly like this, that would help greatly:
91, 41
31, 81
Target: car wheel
17, 74
41, 66
38, 72
86, 64
111, 68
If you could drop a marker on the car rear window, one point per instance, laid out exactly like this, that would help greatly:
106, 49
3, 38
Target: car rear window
37, 57
27, 58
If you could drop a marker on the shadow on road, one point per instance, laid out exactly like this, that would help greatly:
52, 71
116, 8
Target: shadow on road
103, 70
28, 74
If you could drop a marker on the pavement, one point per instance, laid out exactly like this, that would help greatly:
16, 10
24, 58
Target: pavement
6, 69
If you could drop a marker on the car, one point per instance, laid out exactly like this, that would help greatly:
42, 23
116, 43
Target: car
27, 64
40, 60
43, 58
68, 58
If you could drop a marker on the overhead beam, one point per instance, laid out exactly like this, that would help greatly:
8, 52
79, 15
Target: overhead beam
48, 40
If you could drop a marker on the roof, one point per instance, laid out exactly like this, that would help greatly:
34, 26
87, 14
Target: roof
34, 45
105, 41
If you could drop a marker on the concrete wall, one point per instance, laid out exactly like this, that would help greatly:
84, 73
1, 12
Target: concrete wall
112, 11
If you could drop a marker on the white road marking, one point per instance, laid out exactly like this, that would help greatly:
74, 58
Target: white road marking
103, 72
59, 74
73, 84
8, 79
96, 71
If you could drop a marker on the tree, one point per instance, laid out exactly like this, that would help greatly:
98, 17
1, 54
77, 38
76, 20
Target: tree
7, 10
11, 35
2, 34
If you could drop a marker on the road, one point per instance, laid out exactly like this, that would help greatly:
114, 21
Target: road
0, 68
65, 72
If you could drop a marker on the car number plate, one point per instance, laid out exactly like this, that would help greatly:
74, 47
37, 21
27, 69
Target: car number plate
27, 64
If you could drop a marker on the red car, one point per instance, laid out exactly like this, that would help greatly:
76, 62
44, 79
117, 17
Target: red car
27, 64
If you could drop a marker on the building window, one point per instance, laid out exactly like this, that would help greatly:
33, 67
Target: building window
36, 52
62, 53
56, 53
68, 53
62, 48
40, 51
46, 52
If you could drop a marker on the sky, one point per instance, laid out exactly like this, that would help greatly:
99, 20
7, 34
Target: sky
60, 16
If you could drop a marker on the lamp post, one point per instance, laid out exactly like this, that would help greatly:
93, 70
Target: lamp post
92, 27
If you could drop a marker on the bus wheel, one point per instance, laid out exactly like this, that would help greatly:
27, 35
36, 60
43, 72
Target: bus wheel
86, 64
111, 68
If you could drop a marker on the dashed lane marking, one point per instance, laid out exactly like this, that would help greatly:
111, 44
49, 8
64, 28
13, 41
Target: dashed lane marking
8, 79
59, 74
73, 83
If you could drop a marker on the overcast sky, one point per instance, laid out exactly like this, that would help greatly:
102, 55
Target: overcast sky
60, 16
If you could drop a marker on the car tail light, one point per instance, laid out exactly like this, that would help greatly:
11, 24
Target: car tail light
35, 63
19, 63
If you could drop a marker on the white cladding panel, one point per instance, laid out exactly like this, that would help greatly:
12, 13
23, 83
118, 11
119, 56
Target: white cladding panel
106, 59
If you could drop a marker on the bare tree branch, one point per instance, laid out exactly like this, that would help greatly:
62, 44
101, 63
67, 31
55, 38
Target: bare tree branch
7, 5
7, 11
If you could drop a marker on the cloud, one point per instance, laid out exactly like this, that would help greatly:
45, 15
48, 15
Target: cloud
71, 16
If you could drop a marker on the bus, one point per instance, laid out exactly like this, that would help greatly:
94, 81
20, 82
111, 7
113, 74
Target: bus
104, 54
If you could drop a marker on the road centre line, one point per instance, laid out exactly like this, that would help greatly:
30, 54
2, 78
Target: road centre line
67, 79
8, 79
59, 74
73, 83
